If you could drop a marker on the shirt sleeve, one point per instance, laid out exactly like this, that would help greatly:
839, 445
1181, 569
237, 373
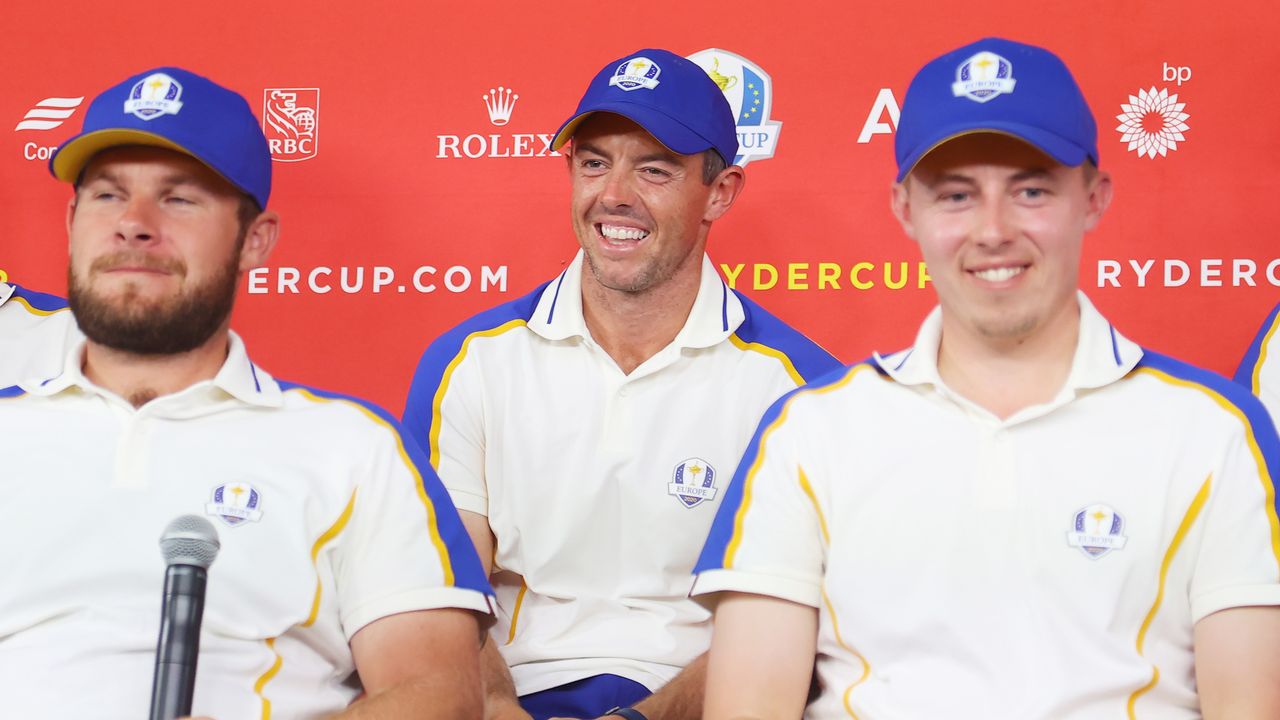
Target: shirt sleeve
444, 414
404, 548
1238, 563
769, 537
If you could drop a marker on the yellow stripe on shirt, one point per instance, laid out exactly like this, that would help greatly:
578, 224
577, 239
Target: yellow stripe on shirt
772, 352
446, 564
1264, 473
1188, 520
748, 482
433, 440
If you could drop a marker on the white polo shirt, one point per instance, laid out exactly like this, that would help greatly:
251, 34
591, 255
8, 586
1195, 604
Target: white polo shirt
1050, 565
324, 520
1260, 368
36, 330
599, 487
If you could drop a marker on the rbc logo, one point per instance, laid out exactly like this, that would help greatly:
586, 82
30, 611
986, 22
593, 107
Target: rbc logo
291, 122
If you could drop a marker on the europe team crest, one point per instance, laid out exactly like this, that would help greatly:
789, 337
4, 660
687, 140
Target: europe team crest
154, 95
1097, 530
749, 90
983, 77
693, 481
234, 503
636, 73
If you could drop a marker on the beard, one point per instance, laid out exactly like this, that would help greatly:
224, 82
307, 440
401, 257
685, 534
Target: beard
152, 327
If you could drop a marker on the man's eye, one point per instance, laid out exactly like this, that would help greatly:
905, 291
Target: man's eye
1034, 193
656, 172
953, 197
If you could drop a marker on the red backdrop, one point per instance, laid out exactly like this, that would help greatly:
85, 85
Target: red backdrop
388, 102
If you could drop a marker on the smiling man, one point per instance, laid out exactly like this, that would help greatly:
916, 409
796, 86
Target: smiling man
588, 431
1025, 515
340, 552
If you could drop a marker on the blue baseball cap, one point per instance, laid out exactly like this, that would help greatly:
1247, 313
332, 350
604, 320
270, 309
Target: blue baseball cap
173, 108
667, 95
996, 86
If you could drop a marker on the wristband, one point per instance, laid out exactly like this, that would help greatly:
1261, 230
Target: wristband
629, 713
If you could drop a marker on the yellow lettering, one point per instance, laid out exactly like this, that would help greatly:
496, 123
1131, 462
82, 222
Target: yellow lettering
855, 276
760, 284
828, 274
797, 276
732, 275
889, 282
924, 276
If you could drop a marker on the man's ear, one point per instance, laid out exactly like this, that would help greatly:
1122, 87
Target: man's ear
1100, 192
259, 240
900, 203
724, 191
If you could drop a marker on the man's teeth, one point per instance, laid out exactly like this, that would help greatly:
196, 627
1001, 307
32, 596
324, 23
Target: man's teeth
998, 274
614, 232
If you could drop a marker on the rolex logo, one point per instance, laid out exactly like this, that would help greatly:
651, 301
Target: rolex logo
500, 103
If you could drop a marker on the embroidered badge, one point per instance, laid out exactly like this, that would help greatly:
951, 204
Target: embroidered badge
693, 481
636, 73
154, 95
234, 503
983, 77
1097, 530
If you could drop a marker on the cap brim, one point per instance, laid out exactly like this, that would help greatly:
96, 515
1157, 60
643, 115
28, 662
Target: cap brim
1064, 151
672, 133
71, 157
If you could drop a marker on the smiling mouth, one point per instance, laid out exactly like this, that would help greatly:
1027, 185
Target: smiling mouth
999, 274
620, 232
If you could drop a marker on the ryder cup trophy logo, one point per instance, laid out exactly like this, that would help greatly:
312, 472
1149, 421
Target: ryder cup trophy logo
636, 73
154, 95
692, 482
235, 503
983, 77
749, 90
291, 122
1097, 530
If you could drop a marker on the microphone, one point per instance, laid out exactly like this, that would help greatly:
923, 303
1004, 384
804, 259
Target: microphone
189, 544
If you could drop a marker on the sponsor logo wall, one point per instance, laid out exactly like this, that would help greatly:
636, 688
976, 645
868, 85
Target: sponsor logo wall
424, 188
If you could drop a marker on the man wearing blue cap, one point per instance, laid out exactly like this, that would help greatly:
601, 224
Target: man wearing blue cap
340, 552
1025, 515
587, 430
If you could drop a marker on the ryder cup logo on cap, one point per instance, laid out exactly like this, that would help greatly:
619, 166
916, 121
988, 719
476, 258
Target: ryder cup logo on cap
971, 90
983, 77
636, 73
156, 94
177, 110
685, 110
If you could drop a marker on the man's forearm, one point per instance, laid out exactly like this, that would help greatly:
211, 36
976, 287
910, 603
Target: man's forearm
438, 698
680, 699
500, 700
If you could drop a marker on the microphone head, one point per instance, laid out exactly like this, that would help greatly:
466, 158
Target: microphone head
189, 540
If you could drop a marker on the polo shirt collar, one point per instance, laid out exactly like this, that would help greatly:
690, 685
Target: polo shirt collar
1102, 354
238, 378
716, 313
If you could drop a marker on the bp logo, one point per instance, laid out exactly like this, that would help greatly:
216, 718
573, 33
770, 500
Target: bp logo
749, 90
983, 77
1153, 122
1097, 530
693, 481
234, 503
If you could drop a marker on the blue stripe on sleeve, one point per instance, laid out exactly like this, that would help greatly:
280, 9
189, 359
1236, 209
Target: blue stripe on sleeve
435, 360
467, 571
43, 302
761, 326
721, 535
1264, 431
1244, 373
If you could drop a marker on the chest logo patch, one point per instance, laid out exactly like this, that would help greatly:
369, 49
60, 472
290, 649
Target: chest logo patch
693, 481
235, 503
1097, 530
